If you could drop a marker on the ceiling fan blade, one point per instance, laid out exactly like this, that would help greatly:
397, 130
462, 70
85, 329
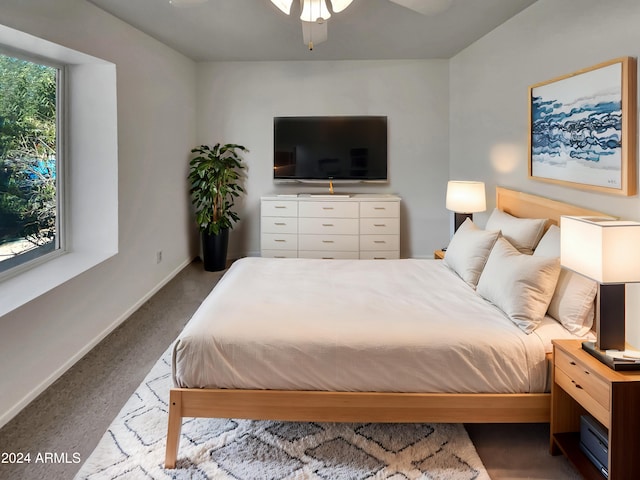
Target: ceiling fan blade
425, 7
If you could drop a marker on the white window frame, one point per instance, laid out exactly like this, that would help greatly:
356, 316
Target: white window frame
61, 108
90, 192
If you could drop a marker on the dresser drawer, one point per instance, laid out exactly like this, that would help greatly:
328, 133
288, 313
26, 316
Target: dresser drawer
332, 226
380, 255
279, 208
331, 255
279, 241
329, 209
380, 209
279, 253
279, 224
347, 243
379, 242
373, 226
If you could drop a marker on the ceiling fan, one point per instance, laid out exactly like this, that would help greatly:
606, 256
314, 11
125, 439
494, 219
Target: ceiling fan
315, 14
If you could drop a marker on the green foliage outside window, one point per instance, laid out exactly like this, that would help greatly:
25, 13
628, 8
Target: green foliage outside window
28, 204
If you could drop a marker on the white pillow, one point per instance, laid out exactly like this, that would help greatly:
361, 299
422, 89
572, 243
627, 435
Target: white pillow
520, 285
573, 302
522, 233
468, 251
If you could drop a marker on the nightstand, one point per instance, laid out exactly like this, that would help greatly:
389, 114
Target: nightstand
581, 385
439, 254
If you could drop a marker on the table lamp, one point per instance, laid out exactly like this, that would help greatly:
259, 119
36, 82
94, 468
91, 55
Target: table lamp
465, 199
606, 251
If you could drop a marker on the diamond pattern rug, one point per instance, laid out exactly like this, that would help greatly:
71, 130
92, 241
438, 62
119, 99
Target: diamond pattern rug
134, 445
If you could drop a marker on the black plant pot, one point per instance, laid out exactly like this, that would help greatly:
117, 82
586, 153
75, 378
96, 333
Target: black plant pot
214, 250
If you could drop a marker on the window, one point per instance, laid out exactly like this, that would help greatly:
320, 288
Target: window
90, 203
30, 160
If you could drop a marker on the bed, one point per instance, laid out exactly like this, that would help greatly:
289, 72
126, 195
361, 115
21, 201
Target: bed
288, 344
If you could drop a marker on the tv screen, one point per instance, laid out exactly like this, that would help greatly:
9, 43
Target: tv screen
323, 148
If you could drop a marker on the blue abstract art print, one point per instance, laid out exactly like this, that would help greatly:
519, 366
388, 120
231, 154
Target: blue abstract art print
582, 128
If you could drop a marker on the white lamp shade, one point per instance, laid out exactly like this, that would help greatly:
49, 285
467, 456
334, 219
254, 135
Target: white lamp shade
284, 5
602, 249
466, 197
312, 10
340, 5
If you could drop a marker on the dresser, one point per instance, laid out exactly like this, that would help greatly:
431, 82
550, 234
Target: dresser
361, 226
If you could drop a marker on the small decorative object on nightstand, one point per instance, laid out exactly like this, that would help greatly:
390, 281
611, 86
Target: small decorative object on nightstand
439, 254
581, 384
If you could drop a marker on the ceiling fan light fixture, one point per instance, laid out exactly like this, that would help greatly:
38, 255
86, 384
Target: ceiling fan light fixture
284, 5
313, 10
340, 5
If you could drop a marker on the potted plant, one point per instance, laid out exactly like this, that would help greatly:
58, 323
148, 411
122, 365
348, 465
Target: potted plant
214, 174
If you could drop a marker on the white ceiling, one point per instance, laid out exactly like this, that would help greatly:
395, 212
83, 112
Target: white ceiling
368, 29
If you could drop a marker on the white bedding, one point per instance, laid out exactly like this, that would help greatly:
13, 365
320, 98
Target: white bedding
354, 325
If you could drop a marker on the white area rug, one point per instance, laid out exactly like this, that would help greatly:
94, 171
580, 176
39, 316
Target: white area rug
134, 446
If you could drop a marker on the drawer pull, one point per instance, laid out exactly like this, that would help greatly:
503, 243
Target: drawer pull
280, 224
572, 363
327, 224
327, 241
280, 206
379, 208
279, 256
379, 258
379, 241
577, 384
327, 258
327, 208
379, 224
280, 241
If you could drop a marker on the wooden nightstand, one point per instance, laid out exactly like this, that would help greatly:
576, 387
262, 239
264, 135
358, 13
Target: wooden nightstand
439, 254
581, 384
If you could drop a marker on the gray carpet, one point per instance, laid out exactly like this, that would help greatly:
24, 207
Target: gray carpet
73, 414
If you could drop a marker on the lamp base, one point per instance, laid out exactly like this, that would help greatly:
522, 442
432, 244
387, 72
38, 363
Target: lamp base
612, 363
459, 219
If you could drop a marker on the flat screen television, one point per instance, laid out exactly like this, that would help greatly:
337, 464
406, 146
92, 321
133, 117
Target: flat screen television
349, 148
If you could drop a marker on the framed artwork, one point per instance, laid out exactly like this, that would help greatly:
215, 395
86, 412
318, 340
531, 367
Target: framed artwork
583, 128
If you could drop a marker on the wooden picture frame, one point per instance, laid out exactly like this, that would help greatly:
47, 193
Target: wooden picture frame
583, 128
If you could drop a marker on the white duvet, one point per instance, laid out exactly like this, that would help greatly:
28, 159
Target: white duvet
354, 325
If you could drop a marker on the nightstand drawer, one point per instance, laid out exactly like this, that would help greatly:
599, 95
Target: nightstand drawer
593, 385
578, 392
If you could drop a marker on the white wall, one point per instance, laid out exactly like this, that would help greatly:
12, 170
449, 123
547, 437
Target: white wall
488, 92
156, 130
237, 103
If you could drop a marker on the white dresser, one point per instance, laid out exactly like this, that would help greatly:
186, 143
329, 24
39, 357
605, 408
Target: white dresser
364, 226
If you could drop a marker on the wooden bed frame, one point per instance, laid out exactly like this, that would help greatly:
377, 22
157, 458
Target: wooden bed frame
322, 406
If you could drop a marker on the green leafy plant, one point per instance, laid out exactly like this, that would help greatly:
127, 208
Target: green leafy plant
215, 176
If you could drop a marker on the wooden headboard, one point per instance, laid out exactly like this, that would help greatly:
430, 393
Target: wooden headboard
526, 205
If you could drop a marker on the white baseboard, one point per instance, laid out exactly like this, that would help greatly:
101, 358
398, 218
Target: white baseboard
33, 394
